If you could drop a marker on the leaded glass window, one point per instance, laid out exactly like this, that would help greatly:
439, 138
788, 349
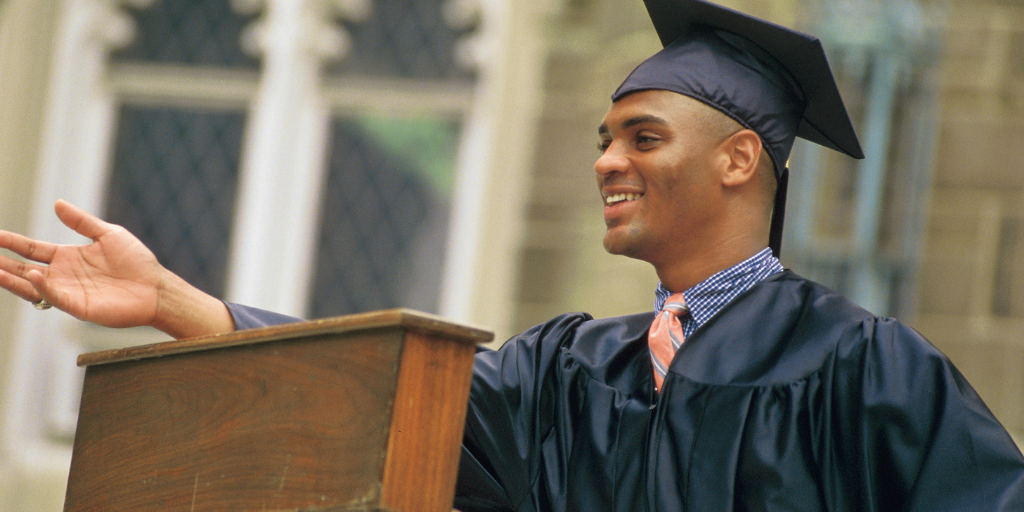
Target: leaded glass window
175, 165
403, 39
188, 32
385, 214
173, 185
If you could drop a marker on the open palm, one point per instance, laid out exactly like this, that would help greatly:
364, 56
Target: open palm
114, 281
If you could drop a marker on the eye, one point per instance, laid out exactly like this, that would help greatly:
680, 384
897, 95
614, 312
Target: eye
645, 141
603, 145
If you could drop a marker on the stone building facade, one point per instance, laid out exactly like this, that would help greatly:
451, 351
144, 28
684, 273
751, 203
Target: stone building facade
972, 276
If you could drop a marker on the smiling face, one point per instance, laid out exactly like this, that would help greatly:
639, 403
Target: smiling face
660, 174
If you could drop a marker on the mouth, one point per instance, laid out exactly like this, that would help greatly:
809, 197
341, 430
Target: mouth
619, 198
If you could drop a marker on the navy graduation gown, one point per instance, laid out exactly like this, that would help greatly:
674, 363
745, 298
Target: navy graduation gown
790, 399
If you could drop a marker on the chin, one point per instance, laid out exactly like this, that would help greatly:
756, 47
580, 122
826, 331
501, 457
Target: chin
611, 249
619, 247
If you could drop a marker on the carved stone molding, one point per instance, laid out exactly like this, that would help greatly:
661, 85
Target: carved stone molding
111, 26
321, 36
463, 15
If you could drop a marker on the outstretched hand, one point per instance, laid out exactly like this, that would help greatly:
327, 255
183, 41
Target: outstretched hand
115, 281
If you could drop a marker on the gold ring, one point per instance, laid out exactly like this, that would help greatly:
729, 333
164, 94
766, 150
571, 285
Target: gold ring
42, 304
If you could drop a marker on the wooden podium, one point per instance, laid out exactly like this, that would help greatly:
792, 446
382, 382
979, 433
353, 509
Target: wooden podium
355, 413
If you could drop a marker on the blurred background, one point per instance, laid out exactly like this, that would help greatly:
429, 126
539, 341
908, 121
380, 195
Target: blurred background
324, 157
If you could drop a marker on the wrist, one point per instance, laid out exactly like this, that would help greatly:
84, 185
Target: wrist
184, 311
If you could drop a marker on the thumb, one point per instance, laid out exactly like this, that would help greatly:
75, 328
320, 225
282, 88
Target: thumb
82, 222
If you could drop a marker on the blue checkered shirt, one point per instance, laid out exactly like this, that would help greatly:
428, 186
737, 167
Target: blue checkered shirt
708, 297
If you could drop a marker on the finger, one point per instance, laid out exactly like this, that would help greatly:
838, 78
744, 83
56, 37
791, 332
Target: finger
26, 247
84, 223
53, 295
18, 286
41, 286
15, 267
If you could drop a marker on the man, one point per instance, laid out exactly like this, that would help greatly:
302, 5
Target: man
752, 388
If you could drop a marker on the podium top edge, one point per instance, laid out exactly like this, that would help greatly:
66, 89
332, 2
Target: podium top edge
410, 320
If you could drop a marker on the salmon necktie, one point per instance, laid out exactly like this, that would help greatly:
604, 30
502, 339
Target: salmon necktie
666, 336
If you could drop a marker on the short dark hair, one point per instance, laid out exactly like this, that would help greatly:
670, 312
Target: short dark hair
718, 126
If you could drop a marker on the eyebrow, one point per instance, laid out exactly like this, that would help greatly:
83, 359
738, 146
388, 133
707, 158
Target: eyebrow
633, 121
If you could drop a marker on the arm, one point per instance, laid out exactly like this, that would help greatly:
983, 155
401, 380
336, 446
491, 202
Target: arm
512, 409
923, 439
115, 281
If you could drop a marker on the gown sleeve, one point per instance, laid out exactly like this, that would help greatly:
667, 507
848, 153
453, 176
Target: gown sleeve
246, 317
512, 409
926, 441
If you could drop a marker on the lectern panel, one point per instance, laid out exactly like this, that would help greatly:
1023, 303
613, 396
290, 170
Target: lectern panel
254, 427
356, 413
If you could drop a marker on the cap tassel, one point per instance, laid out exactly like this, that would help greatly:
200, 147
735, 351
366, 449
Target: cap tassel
778, 214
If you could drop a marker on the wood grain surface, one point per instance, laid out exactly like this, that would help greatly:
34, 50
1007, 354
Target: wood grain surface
281, 425
357, 413
390, 318
425, 441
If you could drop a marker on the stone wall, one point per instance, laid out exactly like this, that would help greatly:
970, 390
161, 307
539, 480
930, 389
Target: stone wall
972, 276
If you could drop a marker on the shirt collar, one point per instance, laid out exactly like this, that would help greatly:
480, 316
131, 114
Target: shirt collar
708, 297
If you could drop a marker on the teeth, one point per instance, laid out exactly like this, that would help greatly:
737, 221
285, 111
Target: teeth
618, 198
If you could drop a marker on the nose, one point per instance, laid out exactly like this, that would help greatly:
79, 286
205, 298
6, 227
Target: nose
610, 161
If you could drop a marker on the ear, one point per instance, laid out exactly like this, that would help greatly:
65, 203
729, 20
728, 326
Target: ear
743, 153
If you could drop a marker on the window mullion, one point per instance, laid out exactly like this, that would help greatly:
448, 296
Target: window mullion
282, 161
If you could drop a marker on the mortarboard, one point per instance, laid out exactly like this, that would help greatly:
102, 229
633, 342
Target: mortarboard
769, 78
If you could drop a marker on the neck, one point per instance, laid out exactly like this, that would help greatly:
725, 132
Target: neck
682, 273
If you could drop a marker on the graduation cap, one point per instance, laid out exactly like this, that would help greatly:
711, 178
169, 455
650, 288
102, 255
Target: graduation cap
769, 78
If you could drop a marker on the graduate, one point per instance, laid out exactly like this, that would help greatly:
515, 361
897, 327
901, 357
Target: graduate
768, 392
747, 388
